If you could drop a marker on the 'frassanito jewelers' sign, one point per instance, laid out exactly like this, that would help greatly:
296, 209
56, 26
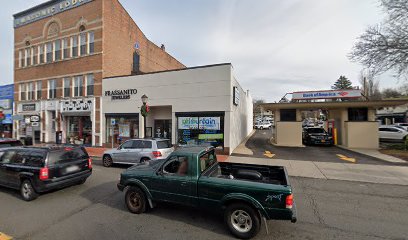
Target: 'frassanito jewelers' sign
47, 10
120, 94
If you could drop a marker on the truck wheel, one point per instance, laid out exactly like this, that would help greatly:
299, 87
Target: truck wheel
135, 200
107, 161
242, 220
27, 191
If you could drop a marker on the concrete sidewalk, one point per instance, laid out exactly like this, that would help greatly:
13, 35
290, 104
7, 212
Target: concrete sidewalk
375, 153
335, 171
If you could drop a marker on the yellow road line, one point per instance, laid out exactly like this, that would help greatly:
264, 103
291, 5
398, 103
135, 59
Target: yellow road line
5, 237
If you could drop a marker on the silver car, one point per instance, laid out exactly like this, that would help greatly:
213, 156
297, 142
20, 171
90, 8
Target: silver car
138, 150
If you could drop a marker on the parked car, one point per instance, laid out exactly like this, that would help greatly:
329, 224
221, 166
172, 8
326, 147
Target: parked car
263, 125
138, 150
9, 142
317, 135
191, 176
403, 125
36, 170
392, 133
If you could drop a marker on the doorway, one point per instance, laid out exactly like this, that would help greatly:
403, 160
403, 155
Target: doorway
162, 128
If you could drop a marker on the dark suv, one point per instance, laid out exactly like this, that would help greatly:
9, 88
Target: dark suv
36, 170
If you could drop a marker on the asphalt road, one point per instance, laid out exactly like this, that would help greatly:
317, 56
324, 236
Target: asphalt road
327, 209
259, 143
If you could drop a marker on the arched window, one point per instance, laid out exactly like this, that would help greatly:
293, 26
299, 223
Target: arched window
82, 28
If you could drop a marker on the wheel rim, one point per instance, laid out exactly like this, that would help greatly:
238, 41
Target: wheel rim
26, 190
107, 161
241, 221
135, 200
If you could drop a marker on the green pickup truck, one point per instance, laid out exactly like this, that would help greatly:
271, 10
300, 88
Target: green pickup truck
191, 176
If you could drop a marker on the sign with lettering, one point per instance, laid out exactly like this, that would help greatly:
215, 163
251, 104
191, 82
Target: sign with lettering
188, 123
46, 10
120, 94
76, 105
326, 94
30, 107
209, 123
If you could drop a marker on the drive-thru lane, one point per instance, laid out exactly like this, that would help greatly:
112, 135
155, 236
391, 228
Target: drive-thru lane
261, 147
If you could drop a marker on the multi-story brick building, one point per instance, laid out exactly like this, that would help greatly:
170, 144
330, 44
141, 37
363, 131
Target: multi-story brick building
62, 50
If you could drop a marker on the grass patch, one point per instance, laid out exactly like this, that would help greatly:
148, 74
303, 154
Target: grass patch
399, 153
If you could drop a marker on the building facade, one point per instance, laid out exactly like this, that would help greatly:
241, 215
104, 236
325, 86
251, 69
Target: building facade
192, 106
6, 105
62, 50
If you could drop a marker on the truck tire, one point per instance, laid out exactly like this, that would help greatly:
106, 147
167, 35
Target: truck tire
242, 220
135, 200
27, 191
107, 161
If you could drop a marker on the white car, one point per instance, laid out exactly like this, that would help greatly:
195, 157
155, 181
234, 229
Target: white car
403, 125
392, 133
263, 125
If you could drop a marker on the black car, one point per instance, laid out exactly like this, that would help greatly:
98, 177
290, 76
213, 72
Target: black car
35, 170
316, 136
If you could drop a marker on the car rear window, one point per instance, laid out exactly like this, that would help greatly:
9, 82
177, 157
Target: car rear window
67, 155
163, 144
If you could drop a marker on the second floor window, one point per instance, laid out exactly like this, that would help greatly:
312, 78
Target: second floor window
57, 50
66, 48
91, 42
90, 85
83, 43
52, 89
28, 56
67, 87
31, 91
78, 86
74, 41
22, 91
41, 54
21, 58
35, 57
39, 90
49, 52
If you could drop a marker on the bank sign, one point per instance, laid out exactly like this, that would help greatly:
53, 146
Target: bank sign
326, 94
46, 11
209, 123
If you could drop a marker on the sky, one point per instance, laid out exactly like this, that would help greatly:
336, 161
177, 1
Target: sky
275, 46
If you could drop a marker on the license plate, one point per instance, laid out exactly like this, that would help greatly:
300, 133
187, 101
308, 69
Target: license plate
71, 169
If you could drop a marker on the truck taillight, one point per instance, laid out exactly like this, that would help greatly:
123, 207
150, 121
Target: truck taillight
43, 173
90, 163
289, 201
156, 154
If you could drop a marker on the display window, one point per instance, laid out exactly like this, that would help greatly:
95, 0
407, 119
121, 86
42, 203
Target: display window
79, 130
120, 128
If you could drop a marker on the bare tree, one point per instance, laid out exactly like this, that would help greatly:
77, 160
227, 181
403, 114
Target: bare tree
370, 86
385, 46
391, 93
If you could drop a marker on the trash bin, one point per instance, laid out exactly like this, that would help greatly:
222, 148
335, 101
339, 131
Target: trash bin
58, 137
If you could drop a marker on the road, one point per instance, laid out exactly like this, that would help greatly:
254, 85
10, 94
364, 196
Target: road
327, 209
259, 143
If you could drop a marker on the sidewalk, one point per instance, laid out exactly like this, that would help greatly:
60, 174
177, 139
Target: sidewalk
335, 171
375, 153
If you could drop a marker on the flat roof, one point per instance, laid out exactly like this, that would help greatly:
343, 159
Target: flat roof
334, 105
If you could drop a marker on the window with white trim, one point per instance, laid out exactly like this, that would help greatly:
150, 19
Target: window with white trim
82, 38
66, 48
78, 86
91, 37
74, 41
22, 92
52, 89
42, 49
30, 91
89, 85
57, 50
35, 55
67, 87
49, 52
28, 56
20, 59
39, 89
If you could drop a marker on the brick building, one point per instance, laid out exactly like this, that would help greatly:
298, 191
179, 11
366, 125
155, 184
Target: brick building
62, 51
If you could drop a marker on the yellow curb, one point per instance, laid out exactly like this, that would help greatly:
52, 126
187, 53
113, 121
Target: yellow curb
5, 237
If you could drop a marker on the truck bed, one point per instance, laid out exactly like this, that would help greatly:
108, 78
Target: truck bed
250, 172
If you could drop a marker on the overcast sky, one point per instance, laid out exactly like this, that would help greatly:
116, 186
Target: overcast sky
275, 46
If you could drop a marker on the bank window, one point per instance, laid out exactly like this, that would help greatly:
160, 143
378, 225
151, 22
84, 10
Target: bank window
49, 52
66, 48
39, 89
74, 41
35, 57
83, 43
90, 85
67, 87
78, 86
31, 91
28, 56
91, 37
57, 50
52, 89
358, 114
23, 91
20, 58
288, 115
41, 54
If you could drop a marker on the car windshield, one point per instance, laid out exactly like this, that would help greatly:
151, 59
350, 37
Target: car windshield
399, 127
315, 130
163, 144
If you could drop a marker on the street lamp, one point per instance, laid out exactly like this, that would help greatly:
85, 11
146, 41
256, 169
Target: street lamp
144, 110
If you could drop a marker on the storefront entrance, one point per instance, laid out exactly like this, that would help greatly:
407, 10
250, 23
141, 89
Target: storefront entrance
121, 127
162, 129
79, 130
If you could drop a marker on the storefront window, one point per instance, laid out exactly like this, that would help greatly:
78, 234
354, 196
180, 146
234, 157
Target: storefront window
79, 130
122, 127
201, 130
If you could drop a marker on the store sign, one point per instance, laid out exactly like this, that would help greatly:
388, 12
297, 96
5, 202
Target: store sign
211, 136
188, 123
120, 94
209, 123
47, 10
34, 118
326, 94
236, 96
31, 107
76, 105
